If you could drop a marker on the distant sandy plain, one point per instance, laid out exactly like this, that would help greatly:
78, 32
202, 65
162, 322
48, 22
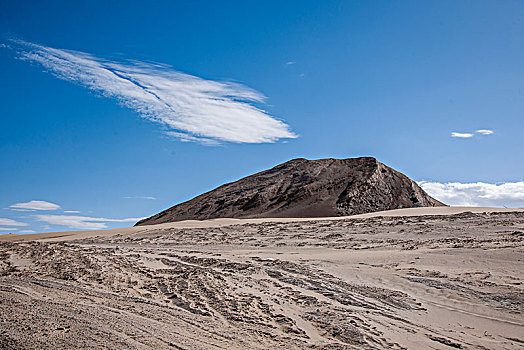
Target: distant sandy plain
422, 278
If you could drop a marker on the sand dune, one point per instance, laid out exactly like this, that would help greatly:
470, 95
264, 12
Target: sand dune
426, 278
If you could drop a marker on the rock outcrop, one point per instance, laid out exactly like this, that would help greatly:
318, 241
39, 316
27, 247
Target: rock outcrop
305, 188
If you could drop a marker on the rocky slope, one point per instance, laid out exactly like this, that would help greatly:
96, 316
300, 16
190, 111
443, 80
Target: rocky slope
305, 188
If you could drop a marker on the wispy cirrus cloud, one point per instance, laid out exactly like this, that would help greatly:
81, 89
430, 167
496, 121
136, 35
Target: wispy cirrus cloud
10, 222
81, 222
34, 205
509, 194
192, 108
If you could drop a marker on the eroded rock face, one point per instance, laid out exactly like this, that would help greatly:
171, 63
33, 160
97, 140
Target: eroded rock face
305, 188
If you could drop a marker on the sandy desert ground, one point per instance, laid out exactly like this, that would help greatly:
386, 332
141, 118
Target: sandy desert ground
428, 278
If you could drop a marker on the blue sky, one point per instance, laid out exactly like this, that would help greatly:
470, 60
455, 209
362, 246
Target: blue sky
117, 110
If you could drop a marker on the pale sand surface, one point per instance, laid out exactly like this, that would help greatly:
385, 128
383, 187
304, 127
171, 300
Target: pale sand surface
427, 278
64, 235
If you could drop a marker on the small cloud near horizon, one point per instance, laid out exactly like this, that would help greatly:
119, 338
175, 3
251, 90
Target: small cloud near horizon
485, 132
81, 222
477, 194
34, 205
71, 211
10, 222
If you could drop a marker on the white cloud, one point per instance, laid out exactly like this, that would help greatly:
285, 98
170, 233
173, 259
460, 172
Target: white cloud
140, 197
9, 222
188, 138
26, 231
71, 211
509, 194
80, 222
467, 135
195, 109
7, 229
34, 205
290, 62
462, 135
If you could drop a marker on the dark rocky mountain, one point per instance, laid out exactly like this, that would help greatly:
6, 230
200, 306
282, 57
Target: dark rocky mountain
305, 188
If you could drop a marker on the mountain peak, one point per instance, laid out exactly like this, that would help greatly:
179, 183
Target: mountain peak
305, 188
